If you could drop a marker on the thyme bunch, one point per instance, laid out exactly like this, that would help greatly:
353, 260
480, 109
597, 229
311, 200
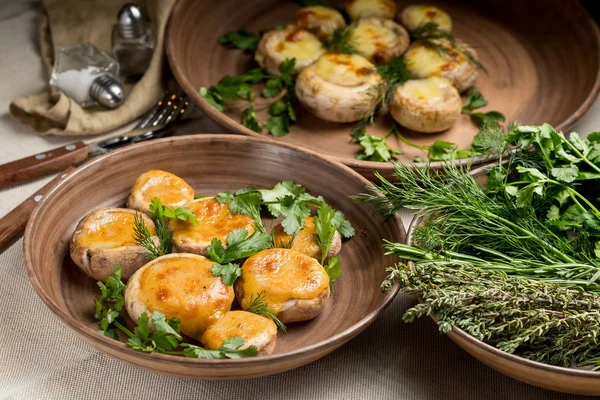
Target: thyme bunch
541, 321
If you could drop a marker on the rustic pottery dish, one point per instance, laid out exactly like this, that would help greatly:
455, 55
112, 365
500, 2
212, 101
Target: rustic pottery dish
210, 164
569, 380
542, 58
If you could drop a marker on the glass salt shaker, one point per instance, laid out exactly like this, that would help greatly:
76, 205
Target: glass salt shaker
88, 76
132, 42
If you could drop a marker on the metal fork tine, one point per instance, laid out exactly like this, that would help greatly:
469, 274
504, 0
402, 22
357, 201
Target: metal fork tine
165, 110
150, 115
177, 111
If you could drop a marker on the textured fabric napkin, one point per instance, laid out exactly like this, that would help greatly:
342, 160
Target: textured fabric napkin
70, 22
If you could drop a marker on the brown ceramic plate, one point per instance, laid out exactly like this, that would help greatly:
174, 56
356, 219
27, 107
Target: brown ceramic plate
568, 380
543, 62
210, 164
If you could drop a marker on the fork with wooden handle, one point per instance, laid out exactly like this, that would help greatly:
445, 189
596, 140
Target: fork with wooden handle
161, 118
26, 169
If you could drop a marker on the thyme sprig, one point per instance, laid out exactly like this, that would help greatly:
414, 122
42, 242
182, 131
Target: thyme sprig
541, 321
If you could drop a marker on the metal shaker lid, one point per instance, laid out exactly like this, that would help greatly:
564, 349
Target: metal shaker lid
131, 22
107, 91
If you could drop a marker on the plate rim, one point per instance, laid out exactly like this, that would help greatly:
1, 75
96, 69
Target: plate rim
384, 168
119, 346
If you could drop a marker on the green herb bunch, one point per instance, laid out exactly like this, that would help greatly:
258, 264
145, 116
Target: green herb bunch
541, 321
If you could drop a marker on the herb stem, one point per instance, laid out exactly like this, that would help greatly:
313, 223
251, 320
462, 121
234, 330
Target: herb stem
124, 329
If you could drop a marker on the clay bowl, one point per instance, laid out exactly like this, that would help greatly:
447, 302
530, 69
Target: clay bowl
568, 380
542, 69
210, 164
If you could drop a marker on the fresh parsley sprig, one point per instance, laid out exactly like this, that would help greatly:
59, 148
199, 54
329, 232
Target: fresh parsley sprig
258, 305
282, 111
241, 39
476, 100
374, 148
110, 303
239, 245
327, 222
244, 201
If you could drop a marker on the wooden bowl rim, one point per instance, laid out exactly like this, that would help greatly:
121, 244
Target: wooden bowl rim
383, 167
459, 333
115, 345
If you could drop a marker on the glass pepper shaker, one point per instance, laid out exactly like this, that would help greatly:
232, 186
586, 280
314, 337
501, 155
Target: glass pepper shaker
88, 76
132, 42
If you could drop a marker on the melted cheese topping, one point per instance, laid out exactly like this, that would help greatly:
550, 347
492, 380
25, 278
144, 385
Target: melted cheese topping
345, 69
281, 275
305, 241
370, 39
253, 328
185, 288
319, 19
413, 16
215, 221
109, 229
423, 62
301, 45
169, 188
430, 90
370, 8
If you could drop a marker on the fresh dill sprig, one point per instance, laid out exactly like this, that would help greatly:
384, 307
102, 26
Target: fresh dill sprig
258, 305
341, 40
143, 238
443, 42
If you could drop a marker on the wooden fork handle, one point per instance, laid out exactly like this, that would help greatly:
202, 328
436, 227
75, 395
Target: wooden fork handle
12, 225
42, 164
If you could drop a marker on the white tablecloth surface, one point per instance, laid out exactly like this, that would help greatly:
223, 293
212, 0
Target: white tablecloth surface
40, 358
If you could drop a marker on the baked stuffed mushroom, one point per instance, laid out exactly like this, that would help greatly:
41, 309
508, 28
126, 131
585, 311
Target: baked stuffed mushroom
104, 239
320, 20
378, 39
294, 285
179, 286
256, 331
426, 105
169, 188
339, 87
452, 63
370, 8
276, 46
214, 221
416, 15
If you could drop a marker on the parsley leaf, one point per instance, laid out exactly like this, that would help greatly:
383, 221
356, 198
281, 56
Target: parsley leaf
241, 39
273, 197
272, 88
228, 272
324, 229
249, 119
374, 148
343, 226
239, 245
333, 269
230, 349
245, 201
476, 100
110, 303
278, 126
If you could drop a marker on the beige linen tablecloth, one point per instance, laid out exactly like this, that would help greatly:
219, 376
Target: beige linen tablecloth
40, 358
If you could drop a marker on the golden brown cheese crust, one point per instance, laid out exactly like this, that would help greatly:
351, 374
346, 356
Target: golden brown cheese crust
214, 221
320, 20
339, 87
256, 331
424, 61
370, 8
278, 45
288, 280
180, 286
413, 16
378, 39
104, 239
306, 240
169, 188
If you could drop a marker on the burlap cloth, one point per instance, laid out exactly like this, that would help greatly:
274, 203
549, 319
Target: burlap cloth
70, 22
